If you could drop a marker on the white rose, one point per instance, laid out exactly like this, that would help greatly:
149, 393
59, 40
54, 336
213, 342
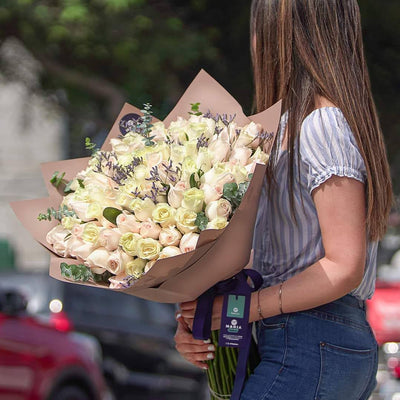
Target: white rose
119, 146
175, 194
218, 208
193, 199
169, 251
164, 214
109, 239
127, 222
143, 208
204, 160
188, 242
178, 153
217, 223
170, 236
98, 258
128, 242
148, 248
240, 155
185, 220
191, 148
90, 232
150, 229
78, 248
117, 262
158, 131
135, 267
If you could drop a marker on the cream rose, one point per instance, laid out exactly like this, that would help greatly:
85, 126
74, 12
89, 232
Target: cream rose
142, 208
175, 194
128, 242
185, 220
109, 239
57, 234
249, 136
150, 229
148, 248
188, 242
127, 222
164, 214
240, 155
117, 262
135, 267
193, 199
211, 193
169, 251
218, 208
217, 223
98, 258
219, 149
170, 236
149, 266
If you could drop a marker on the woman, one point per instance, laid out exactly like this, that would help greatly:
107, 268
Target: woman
325, 206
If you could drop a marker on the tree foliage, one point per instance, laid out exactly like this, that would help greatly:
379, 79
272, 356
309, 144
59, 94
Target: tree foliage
105, 52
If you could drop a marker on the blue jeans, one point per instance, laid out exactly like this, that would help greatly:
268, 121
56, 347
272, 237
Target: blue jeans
326, 353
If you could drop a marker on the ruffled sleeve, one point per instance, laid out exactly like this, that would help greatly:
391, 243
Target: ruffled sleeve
328, 147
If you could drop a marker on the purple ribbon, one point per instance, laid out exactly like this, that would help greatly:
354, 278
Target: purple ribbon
238, 284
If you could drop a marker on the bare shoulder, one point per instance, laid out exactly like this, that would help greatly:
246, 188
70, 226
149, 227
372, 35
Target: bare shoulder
321, 102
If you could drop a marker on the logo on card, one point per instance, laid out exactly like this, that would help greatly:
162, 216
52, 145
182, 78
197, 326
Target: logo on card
128, 123
235, 307
233, 327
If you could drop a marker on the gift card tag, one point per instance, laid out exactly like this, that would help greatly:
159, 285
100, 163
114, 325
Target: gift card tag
235, 320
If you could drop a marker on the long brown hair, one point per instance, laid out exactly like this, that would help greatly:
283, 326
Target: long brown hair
302, 49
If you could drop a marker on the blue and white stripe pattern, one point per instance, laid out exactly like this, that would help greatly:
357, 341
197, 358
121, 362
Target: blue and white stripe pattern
283, 248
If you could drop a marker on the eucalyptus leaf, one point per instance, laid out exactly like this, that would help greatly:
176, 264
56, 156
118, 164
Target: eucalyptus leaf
201, 221
111, 214
76, 272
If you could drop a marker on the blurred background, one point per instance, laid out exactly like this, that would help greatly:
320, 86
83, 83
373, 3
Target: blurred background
66, 68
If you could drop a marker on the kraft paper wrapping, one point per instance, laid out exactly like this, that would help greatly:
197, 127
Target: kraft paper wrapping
219, 254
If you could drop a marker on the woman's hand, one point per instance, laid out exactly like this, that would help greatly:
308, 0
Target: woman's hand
195, 351
188, 311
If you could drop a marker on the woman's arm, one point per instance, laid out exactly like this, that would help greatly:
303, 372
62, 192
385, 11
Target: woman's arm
340, 204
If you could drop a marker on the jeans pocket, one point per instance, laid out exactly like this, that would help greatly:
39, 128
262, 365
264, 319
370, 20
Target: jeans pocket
345, 373
272, 339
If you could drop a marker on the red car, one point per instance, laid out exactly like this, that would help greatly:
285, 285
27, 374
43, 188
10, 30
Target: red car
45, 360
383, 312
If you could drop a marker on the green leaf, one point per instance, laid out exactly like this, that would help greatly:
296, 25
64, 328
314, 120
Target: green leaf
111, 214
102, 278
230, 190
76, 272
201, 221
193, 182
56, 179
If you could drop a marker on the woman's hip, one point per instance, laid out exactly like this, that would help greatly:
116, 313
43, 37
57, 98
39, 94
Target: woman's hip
326, 353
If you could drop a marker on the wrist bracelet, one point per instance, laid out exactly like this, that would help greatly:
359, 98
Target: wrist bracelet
280, 298
260, 316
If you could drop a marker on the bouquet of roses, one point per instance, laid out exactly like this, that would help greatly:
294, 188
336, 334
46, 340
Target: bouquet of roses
150, 196
164, 210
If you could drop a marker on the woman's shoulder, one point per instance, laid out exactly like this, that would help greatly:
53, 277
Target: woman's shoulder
326, 123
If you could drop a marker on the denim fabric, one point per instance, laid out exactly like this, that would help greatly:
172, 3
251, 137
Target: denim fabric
326, 353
